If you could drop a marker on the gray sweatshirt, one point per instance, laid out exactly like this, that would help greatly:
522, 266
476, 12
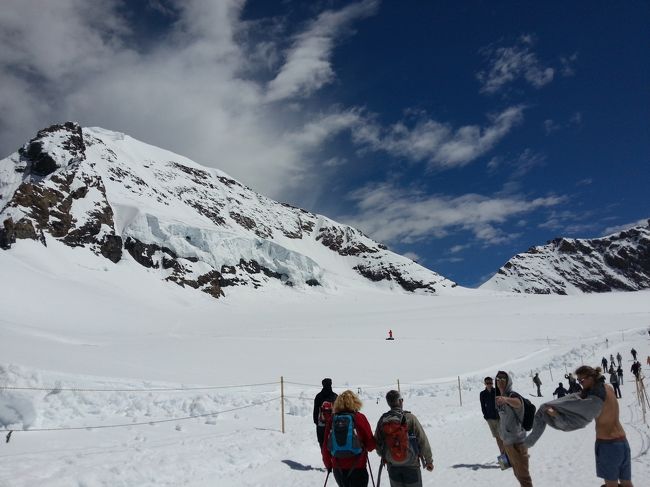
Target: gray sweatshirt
510, 429
574, 411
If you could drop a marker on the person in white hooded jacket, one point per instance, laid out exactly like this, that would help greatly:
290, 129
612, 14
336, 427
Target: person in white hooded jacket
510, 407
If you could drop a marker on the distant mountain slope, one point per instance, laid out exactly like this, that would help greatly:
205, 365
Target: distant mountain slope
618, 262
197, 227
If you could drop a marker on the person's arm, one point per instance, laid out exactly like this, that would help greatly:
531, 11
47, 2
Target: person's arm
423, 443
483, 404
365, 432
325, 452
379, 439
316, 410
514, 402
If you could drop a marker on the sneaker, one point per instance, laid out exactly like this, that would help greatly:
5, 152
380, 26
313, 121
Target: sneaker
503, 462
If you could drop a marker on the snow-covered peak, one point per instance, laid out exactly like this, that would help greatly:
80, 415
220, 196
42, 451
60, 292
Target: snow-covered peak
617, 262
131, 202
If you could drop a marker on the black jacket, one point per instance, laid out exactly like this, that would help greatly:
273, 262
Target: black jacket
324, 395
560, 392
488, 404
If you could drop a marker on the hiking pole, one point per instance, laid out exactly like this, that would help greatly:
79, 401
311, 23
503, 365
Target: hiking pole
370, 468
326, 478
381, 466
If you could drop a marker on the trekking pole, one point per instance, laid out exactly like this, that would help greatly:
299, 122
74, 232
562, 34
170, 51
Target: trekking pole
381, 467
370, 468
326, 478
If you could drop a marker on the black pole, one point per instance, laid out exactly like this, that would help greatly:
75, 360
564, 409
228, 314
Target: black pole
370, 468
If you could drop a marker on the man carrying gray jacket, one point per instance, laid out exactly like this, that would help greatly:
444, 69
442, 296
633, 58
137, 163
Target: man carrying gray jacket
401, 443
510, 406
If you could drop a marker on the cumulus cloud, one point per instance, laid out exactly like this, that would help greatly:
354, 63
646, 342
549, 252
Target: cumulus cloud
195, 91
391, 214
508, 64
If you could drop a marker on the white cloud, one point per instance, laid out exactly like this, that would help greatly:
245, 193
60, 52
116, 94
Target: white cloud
508, 64
551, 126
308, 66
568, 64
413, 256
193, 92
458, 248
438, 143
392, 214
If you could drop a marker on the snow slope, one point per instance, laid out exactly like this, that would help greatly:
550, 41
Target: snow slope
194, 226
71, 320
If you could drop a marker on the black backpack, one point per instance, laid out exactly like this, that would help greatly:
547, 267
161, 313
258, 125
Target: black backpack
529, 412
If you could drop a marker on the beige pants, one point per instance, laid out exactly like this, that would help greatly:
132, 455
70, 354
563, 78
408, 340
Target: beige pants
494, 428
518, 457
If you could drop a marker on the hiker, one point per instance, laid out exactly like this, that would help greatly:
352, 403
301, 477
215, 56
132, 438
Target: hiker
607, 342
648, 360
613, 380
569, 413
611, 360
604, 363
573, 383
560, 391
348, 439
401, 443
619, 358
538, 382
612, 449
619, 372
636, 369
323, 408
510, 407
390, 335
633, 352
611, 369
489, 408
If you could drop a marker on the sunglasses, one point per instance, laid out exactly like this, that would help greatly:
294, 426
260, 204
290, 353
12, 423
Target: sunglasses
502, 379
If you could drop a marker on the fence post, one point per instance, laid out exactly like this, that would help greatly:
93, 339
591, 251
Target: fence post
398, 388
460, 395
550, 372
282, 400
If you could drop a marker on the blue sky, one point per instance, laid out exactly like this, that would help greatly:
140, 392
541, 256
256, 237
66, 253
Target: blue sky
458, 133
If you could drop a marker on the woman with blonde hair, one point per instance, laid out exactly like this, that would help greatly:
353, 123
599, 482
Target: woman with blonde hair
348, 439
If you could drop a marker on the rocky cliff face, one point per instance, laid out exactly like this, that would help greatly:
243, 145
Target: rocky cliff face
130, 202
618, 262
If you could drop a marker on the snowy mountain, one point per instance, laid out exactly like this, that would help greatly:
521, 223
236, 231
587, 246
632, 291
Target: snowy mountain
618, 262
134, 204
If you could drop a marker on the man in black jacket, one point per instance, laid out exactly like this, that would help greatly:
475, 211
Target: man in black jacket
326, 394
489, 408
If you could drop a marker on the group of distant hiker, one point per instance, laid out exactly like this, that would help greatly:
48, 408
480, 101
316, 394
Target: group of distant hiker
345, 438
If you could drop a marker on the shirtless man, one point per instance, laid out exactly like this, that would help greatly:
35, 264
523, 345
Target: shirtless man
613, 463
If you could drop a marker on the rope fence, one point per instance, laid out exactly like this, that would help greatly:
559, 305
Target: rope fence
466, 382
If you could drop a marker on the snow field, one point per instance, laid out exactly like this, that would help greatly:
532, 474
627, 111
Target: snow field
71, 320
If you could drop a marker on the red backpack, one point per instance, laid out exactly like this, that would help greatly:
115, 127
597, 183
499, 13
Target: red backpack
324, 413
399, 444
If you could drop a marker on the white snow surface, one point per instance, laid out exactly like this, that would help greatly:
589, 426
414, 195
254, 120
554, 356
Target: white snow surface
72, 320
